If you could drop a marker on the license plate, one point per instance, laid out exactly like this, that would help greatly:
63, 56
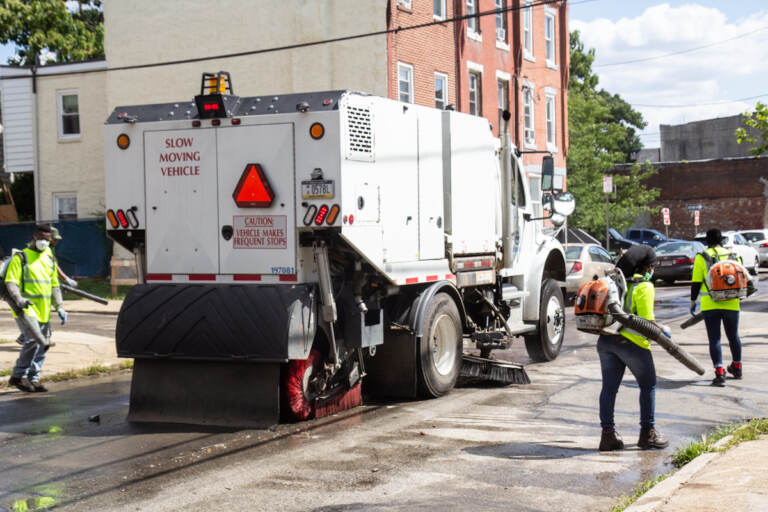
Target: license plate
667, 263
317, 189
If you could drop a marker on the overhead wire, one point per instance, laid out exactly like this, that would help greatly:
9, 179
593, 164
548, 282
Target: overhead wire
310, 43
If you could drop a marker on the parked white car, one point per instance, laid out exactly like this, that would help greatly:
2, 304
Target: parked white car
758, 238
735, 242
584, 263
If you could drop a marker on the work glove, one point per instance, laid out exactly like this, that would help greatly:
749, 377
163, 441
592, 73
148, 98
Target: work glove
62, 315
71, 282
693, 307
24, 304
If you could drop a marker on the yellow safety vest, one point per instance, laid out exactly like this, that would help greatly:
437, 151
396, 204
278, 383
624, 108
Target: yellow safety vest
40, 276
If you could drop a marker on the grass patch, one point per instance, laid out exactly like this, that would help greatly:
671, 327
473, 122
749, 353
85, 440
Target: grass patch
95, 369
100, 287
690, 451
641, 489
3, 340
5, 373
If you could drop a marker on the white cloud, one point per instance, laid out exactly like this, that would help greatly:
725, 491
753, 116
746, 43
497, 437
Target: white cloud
723, 71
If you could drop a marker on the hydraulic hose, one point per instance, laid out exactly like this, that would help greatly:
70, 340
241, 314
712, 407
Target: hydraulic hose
652, 331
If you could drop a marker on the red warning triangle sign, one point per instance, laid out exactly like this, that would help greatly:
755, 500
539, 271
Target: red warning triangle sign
253, 189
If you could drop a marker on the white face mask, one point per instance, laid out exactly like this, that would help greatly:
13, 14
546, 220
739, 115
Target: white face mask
42, 245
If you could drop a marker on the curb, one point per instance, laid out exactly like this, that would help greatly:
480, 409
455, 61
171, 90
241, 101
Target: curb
660, 493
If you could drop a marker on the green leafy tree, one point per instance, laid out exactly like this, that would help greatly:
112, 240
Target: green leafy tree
47, 28
602, 131
758, 120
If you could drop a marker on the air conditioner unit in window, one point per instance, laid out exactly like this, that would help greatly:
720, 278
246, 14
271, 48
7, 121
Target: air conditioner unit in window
501, 34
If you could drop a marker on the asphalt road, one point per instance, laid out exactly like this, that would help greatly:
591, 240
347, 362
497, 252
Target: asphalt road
485, 448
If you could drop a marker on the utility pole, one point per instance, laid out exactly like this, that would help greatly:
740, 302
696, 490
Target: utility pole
607, 189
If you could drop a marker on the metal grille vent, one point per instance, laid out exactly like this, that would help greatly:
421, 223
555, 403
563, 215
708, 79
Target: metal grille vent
359, 133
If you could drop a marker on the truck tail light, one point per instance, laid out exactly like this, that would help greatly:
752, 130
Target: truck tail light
577, 266
309, 216
122, 219
321, 213
332, 214
132, 219
112, 218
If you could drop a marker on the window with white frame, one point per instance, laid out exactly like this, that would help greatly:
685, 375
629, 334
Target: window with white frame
502, 92
405, 82
528, 30
501, 20
475, 106
549, 37
473, 24
68, 107
405, 3
65, 206
441, 90
439, 9
551, 138
529, 131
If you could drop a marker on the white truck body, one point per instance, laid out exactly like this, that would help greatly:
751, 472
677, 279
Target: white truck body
413, 202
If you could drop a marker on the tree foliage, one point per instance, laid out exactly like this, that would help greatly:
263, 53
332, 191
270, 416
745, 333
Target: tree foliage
759, 121
47, 28
602, 131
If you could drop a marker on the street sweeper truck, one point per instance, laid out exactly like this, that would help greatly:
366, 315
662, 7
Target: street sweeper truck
291, 247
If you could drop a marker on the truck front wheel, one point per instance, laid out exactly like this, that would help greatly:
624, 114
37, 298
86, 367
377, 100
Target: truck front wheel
546, 343
440, 348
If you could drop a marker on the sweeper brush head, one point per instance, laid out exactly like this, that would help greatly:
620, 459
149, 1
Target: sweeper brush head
475, 368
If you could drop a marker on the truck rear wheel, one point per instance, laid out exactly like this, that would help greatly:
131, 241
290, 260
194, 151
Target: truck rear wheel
546, 343
440, 348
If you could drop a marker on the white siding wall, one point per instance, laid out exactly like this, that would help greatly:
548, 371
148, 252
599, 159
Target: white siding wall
18, 121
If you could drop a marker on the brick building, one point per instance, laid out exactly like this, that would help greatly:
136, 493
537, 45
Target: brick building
516, 59
730, 193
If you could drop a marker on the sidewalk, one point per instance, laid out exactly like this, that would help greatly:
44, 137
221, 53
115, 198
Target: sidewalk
73, 350
731, 480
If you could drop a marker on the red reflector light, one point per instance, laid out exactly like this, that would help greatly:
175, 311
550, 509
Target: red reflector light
321, 214
236, 121
202, 277
208, 107
351, 218
216, 122
310, 215
577, 266
253, 189
683, 261
122, 219
196, 124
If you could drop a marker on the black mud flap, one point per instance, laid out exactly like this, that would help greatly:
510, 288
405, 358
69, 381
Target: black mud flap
393, 371
226, 394
264, 323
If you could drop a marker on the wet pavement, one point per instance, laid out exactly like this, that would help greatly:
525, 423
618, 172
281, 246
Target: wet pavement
490, 448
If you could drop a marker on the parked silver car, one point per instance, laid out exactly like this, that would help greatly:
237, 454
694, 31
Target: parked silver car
584, 263
758, 238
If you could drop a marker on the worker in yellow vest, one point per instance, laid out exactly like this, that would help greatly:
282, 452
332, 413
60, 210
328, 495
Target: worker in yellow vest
717, 312
32, 282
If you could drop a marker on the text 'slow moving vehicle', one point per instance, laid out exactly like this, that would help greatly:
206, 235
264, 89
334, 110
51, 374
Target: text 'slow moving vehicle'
585, 262
736, 243
758, 239
675, 260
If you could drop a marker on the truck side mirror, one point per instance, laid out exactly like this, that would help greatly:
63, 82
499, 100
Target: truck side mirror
547, 173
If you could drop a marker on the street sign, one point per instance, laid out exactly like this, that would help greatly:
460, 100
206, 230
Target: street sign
607, 184
665, 213
696, 217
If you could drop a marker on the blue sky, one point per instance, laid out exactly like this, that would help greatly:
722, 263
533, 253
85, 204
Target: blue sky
695, 83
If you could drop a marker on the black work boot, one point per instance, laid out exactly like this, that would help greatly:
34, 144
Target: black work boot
651, 438
736, 372
21, 383
39, 388
610, 440
719, 379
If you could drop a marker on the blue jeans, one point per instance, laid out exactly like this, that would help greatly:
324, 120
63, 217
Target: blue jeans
616, 354
32, 355
730, 319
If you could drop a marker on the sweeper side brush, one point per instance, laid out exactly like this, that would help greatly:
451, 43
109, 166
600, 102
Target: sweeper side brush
476, 368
